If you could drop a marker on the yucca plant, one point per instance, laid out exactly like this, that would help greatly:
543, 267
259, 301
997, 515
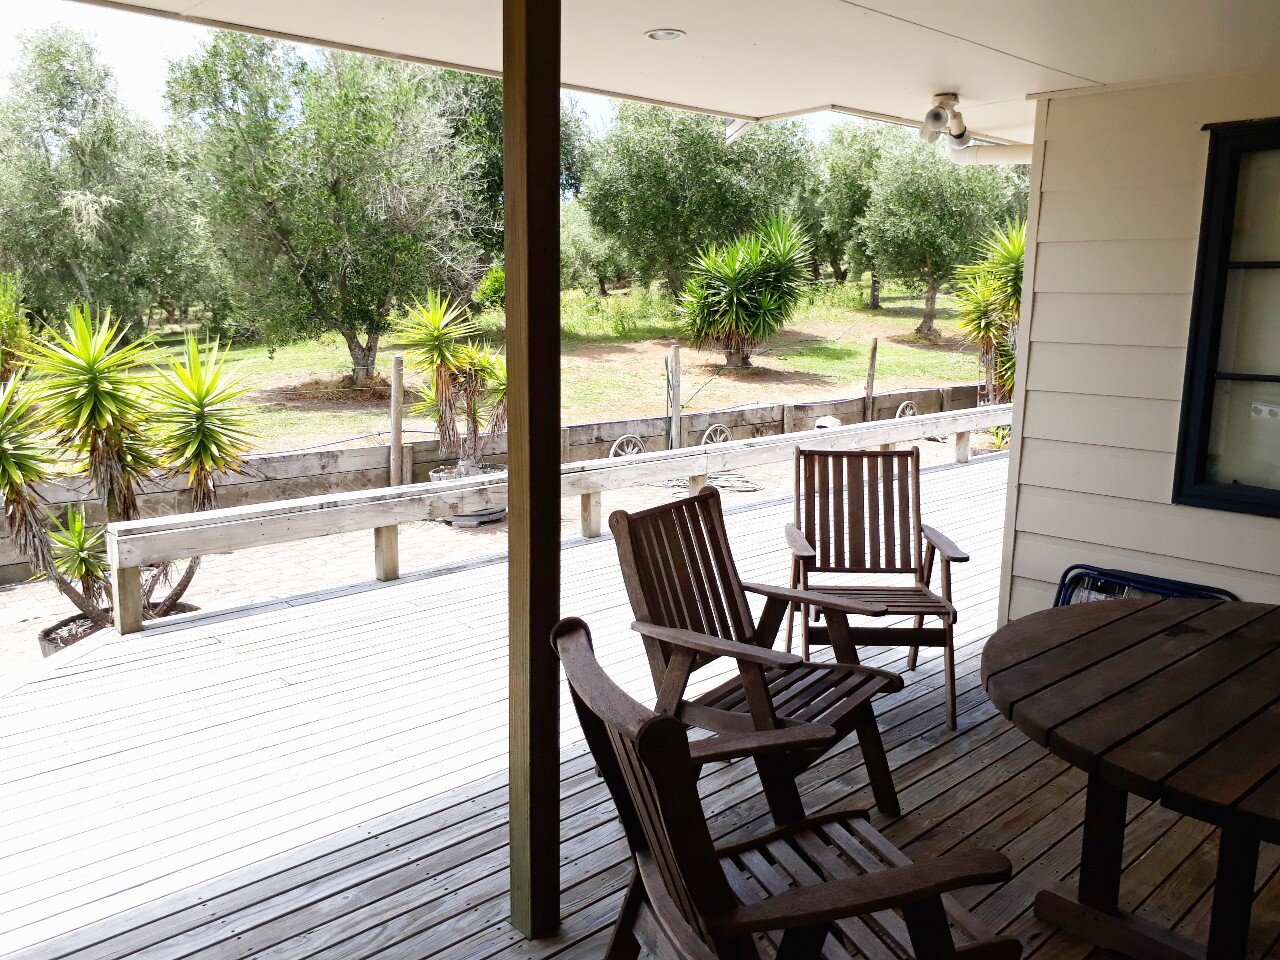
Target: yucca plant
91, 386
201, 430
80, 554
25, 462
740, 294
989, 293
482, 394
435, 335
463, 378
98, 405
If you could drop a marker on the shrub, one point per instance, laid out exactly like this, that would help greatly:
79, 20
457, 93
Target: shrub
989, 293
15, 327
491, 291
741, 294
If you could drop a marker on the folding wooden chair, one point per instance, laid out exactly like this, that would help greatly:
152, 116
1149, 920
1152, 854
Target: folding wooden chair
829, 886
858, 512
691, 608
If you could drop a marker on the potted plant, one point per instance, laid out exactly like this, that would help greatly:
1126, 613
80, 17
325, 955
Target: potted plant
463, 380
740, 294
91, 404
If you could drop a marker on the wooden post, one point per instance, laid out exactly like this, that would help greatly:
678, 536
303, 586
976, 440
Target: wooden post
126, 594
531, 115
386, 540
869, 403
591, 514
674, 438
397, 421
696, 483
962, 447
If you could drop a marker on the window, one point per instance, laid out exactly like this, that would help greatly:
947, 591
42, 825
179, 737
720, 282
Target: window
1229, 447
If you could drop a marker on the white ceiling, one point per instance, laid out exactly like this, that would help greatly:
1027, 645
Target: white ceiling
760, 58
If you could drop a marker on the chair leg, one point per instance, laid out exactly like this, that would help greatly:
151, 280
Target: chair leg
949, 665
930, 934
792, 607
802, 943
623, 945
913, 653
873, 755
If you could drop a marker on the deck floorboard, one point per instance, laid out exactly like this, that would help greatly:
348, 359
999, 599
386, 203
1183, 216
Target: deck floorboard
323, 777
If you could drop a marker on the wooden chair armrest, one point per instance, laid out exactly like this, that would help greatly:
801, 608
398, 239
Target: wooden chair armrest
732, 746
822, 903
816, 598
800, 547
945, 547
717, 646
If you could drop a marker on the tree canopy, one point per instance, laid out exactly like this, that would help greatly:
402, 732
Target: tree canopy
336, 187
664, 184
95, 205
925, 215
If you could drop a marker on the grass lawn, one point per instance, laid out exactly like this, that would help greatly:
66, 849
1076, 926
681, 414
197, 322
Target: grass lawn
613, 366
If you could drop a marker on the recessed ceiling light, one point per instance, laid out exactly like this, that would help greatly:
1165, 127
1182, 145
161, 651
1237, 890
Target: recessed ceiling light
664, 33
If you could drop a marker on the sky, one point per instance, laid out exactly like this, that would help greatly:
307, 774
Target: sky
137, 49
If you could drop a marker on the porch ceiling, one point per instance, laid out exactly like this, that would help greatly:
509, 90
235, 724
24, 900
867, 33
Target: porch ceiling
762, 58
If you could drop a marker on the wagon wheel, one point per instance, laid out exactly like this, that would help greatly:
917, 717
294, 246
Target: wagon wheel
626, 445
908, 409
716, 433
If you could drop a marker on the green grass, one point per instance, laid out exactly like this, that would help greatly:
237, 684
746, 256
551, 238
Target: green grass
613, 350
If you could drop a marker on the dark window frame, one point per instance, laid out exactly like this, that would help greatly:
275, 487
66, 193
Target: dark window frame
1228, 142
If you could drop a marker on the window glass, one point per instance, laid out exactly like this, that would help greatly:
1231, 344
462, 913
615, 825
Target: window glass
1257, 224
1244, 441
1251, 323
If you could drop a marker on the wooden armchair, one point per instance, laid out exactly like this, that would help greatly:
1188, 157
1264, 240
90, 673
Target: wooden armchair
858, 512
691, 609
828, 886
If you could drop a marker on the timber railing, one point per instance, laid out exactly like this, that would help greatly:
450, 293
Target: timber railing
136, 544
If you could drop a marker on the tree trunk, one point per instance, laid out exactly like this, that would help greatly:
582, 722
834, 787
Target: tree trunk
737, 359
364, 356
604, 291
838, 272
930, 311
815, 270
873, 298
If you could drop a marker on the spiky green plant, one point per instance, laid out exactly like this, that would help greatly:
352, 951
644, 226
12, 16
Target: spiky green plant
740, 294
91, 385
80, 554
482, 396
201, 429
25, 462
989, 293
434, 334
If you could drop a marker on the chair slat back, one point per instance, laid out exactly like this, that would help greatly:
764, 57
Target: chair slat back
644, 760
860, 510
678, 568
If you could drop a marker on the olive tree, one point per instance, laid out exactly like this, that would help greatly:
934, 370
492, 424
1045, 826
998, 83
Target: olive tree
95, 205
926, 215
335, 187
588, 260
664, 183
846, 165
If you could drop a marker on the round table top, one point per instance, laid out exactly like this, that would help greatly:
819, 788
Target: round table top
1173, 700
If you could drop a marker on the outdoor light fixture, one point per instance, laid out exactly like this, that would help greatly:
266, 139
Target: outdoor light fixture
664, 33
943, 118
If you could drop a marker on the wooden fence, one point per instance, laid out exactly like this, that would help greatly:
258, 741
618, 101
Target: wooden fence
139, 543
279, 476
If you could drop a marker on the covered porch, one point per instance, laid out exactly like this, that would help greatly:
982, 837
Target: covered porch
325, 776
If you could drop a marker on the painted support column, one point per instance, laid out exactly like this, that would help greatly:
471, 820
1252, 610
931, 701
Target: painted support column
531, 108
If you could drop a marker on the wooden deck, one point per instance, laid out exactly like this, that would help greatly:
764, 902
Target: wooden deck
323, 778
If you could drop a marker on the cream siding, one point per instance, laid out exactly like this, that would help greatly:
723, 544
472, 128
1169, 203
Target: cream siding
1117, 189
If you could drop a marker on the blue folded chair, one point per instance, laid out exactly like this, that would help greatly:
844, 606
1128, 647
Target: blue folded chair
1084, 583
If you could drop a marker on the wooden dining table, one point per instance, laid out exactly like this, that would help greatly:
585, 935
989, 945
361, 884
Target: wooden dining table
1175, 701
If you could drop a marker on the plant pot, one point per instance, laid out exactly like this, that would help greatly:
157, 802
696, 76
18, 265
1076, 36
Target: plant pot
64, 634
476, 518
